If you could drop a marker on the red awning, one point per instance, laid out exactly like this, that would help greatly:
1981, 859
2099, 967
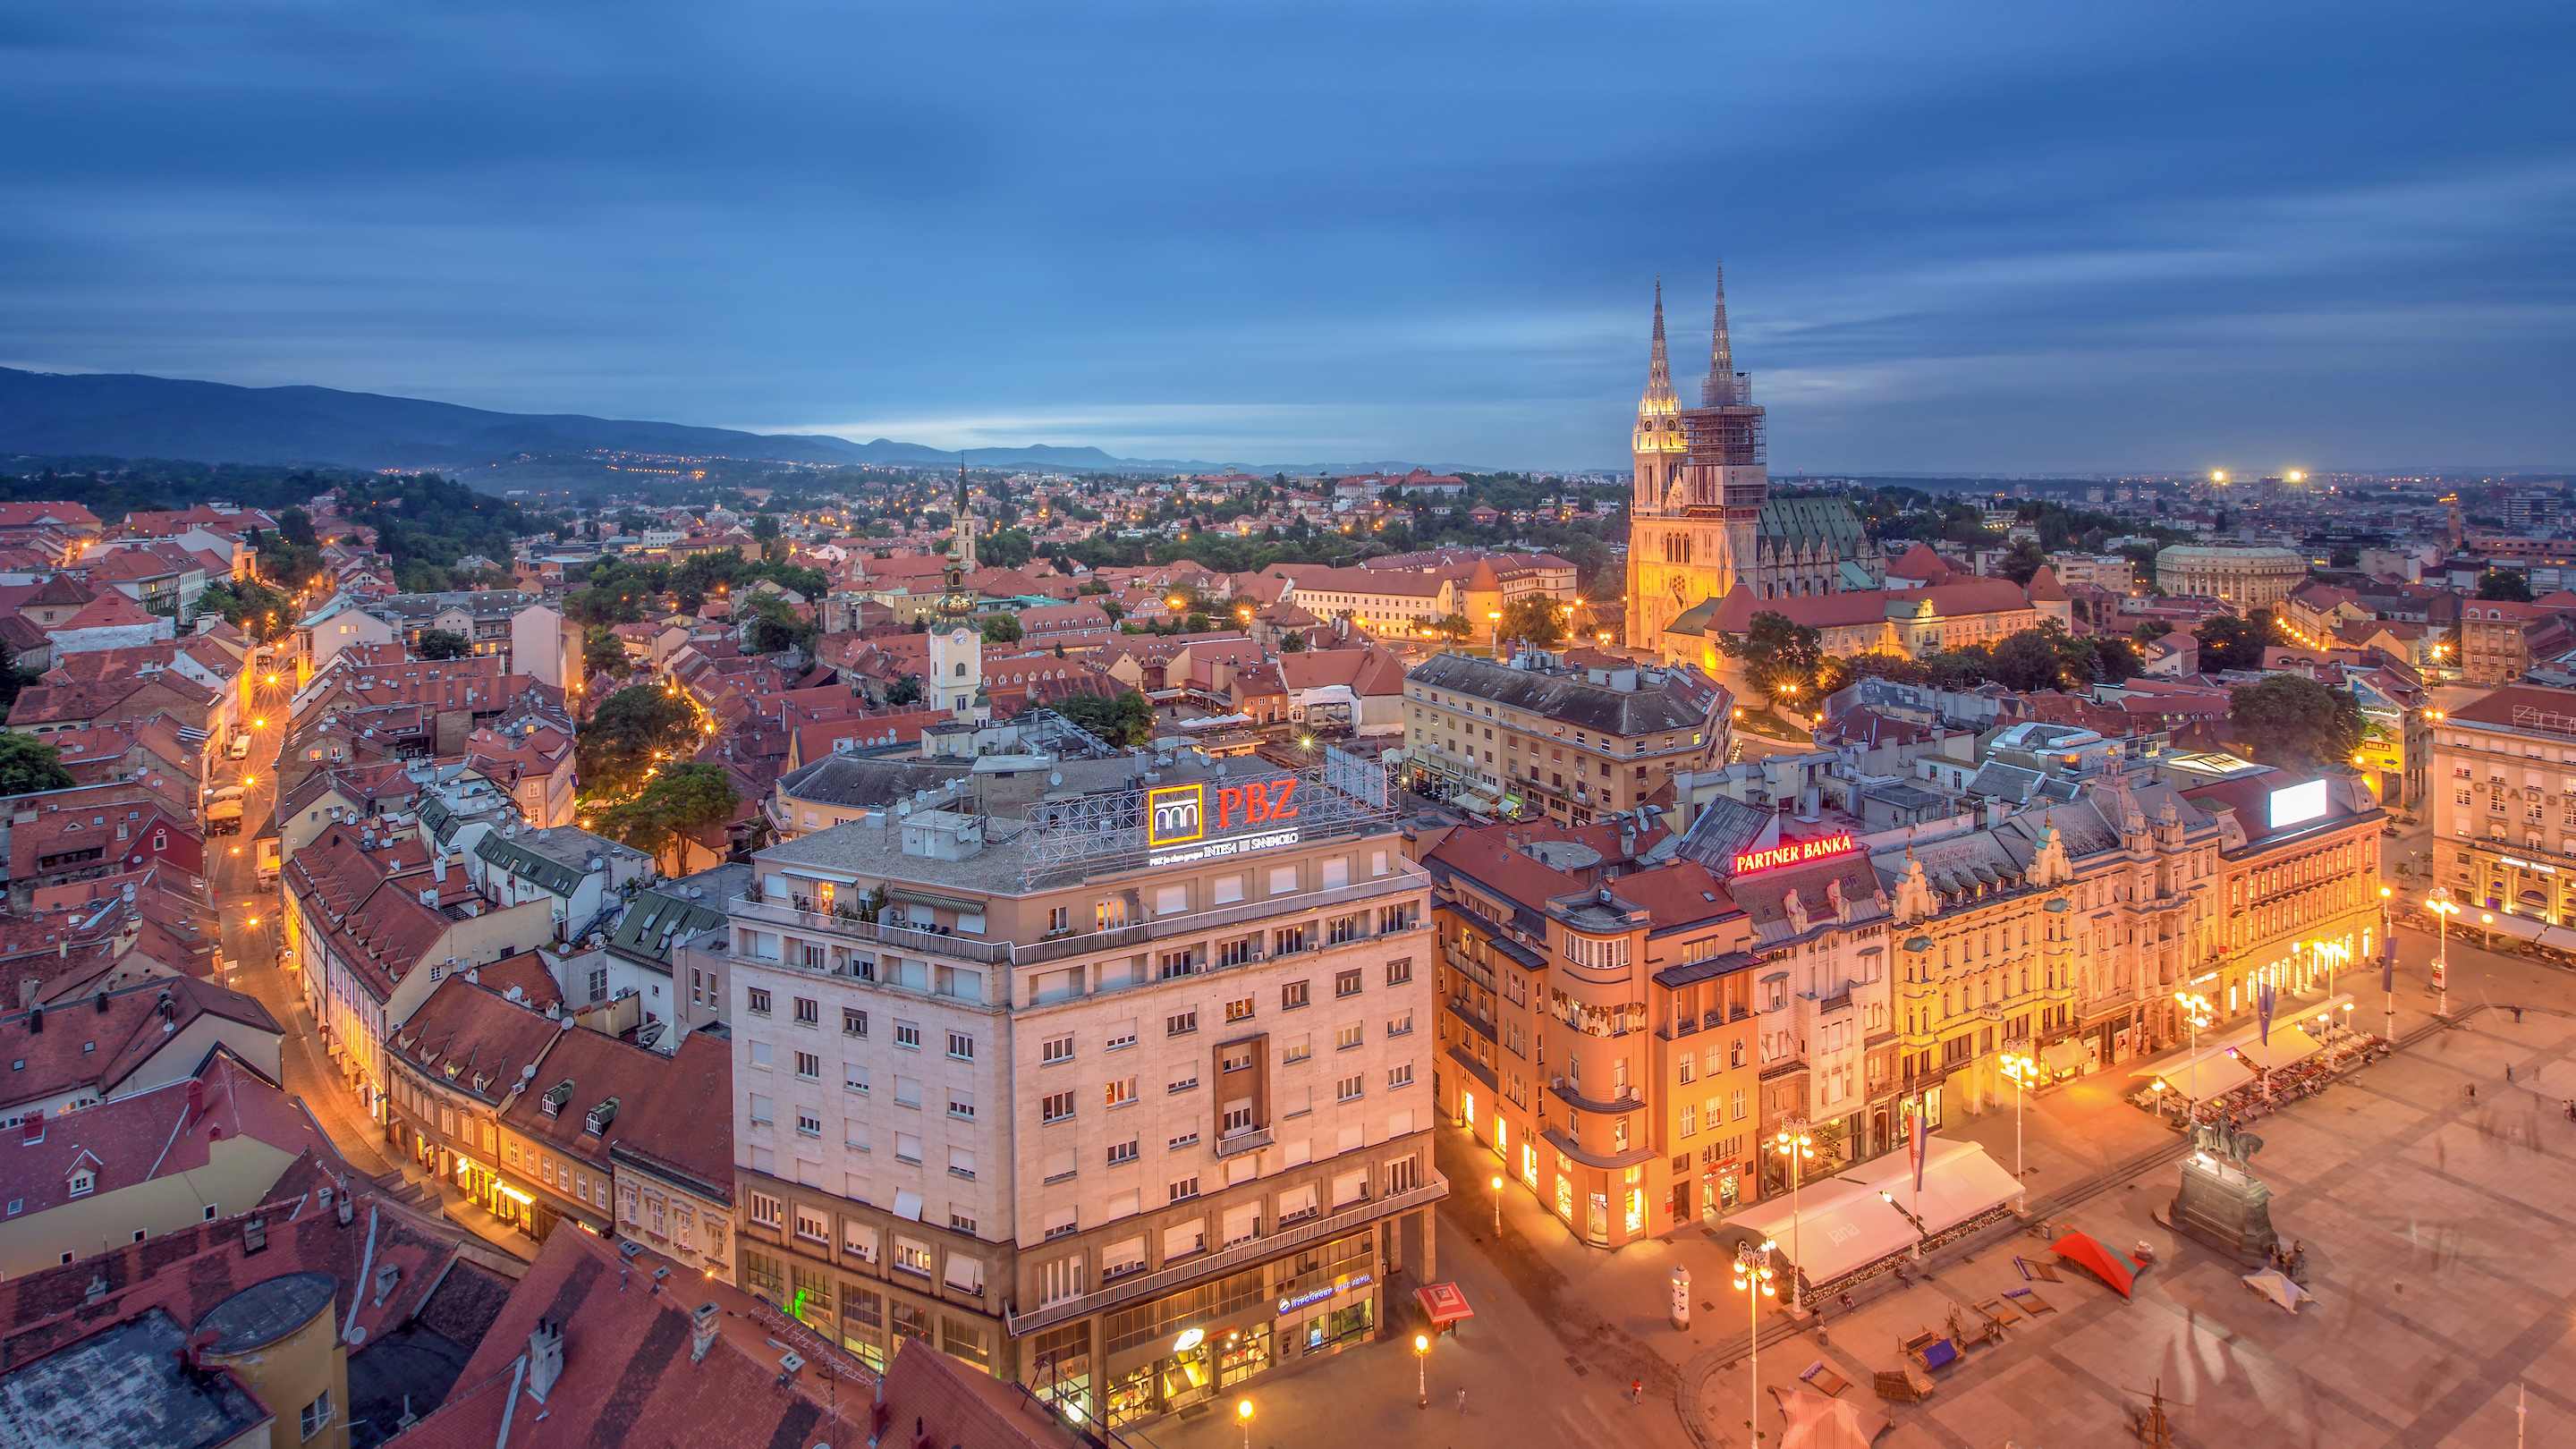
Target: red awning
2086, 1252
1444, 1303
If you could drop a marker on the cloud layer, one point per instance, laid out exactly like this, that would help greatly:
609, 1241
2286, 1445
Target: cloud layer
2008, 237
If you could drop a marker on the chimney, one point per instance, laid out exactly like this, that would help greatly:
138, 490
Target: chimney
438, 867
386, 1277
36, 1021
102, 1002
702, 1331
346, 1207
545, 1358
254, 1236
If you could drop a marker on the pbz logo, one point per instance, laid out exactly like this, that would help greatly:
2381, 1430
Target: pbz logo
1175, 814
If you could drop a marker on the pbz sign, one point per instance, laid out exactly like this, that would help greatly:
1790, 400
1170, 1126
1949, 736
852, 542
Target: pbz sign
1192, 822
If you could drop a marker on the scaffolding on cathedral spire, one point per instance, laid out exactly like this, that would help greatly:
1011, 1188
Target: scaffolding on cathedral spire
1723, 387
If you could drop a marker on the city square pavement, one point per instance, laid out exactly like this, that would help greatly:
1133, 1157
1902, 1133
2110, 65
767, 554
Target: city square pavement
2436, 1229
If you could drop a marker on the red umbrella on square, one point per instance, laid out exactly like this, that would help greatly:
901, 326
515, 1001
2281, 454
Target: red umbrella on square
2087, 1252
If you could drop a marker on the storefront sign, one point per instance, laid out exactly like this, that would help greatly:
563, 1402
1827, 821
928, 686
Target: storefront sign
1318, 1295
1185, 823
1796, 852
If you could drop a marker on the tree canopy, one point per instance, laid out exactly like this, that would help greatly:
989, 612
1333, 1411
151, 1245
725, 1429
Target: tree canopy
2228, 642
442, 644
1535, 618
677, 802
2295, 722
619, 742
2504, 587
1126, 719
1776, 652
28, 763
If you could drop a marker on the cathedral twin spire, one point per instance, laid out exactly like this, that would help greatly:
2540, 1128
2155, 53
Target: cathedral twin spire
1723, 385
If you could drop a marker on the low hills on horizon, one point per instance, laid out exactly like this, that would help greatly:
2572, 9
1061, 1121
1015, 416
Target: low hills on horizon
136, 415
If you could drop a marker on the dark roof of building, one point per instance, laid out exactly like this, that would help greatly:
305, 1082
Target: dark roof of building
629, 1376
674, 910
1663, 700
126, 1385
1825, 523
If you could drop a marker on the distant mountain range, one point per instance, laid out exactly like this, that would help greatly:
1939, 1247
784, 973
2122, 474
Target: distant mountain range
130, 415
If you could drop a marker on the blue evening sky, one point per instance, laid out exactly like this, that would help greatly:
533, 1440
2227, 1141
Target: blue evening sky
1998, 236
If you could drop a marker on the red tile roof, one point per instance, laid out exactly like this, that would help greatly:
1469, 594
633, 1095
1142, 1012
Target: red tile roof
662, 1101
155, 1133
630, 1377
191, 1270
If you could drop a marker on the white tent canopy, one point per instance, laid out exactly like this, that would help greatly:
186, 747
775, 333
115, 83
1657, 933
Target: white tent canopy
1841, 1221
2197, 1078
2288, 1044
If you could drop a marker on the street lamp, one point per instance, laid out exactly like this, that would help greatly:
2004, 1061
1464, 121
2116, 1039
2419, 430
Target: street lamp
1422, 1371
1753, 1280
2022, 1069
2438, 901
2388, 943
1498, 1202
1243, 1416
2198, 1012
1793, 1143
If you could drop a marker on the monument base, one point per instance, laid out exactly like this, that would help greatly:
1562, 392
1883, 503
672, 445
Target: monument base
2222, 1206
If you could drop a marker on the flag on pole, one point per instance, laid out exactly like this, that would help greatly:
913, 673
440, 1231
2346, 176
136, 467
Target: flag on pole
2263, 998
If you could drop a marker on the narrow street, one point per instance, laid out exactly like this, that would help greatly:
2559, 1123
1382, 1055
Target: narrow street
251, 937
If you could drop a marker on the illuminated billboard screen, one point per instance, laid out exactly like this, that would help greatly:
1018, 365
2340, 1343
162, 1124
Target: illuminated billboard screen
2298, 804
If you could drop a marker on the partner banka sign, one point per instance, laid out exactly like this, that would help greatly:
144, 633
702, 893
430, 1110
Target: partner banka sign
1185, 823
1795, 852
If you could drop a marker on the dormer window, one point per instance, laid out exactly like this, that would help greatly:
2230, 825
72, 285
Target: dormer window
82, 1182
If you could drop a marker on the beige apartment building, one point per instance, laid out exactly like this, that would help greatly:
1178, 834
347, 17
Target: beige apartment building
1573, 744
1113, 1078
2504, 810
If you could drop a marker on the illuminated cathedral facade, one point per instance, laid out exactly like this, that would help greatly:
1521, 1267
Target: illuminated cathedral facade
1702, 521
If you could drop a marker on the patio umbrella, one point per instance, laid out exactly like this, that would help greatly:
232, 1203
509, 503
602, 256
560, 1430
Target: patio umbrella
2086, 1252
1817, 1422
2274, 1284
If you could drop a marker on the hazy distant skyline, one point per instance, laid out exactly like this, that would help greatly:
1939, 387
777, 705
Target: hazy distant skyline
2016, 238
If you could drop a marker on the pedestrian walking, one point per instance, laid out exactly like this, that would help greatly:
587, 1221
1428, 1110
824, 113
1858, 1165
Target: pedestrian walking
1462, 1401
2473, 1091
2508, 1072
2517, 1015
1636, 1391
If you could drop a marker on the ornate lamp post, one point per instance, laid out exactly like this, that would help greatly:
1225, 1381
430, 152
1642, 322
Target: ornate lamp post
2438, 901
1793, 1143
1498, 1202
2197, 1011
1422, 1371
1243, 1416
1753, 1280
2388, 943
2021, 1068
